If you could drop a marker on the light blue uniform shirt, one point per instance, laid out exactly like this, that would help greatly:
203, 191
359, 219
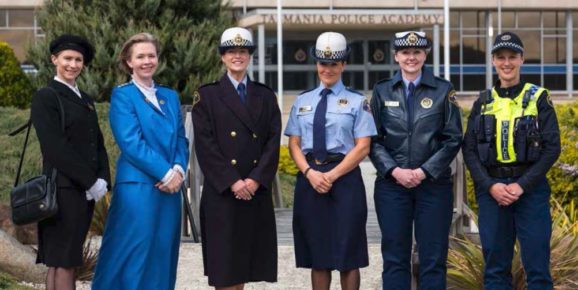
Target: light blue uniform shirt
348, 117
406, 84
236, 83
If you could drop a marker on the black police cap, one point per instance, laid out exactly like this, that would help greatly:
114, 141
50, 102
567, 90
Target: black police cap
73, 42
508, 40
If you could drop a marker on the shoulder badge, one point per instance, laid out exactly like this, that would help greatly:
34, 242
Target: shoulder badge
196, 98
452, 98
366, 106
549, 100
123, 85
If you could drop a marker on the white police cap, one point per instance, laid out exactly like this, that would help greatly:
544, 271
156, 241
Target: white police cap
410, 39
331, 47
236, 37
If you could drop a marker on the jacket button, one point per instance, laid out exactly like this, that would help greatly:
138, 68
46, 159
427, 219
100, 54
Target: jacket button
255, 161
233, 133
254, 136
234, 162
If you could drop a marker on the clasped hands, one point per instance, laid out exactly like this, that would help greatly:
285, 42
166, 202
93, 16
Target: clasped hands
321, 181
408, 178
506, 194
173, 185
245, 189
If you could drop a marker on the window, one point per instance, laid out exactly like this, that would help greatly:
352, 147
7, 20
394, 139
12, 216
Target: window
379, 52
531, 40
555, 49
474, 50
528, 19
356, 55
375, 76
21, 18
297, 52
353, 79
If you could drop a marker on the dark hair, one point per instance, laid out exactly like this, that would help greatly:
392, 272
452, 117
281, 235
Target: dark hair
126, 50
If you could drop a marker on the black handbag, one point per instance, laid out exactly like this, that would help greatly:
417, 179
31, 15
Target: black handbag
35, 199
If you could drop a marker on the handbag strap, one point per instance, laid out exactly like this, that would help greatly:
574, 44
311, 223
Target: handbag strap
29, 124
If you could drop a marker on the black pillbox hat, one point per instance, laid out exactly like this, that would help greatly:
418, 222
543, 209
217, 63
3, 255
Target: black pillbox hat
73, 42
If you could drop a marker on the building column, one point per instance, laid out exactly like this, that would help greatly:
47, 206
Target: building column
436, 49
489, 39
261, 47
569, 54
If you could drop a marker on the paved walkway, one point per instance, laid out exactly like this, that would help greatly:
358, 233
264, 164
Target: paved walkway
190, 271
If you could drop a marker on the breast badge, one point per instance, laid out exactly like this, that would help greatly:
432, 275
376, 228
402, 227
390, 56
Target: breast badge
426, 103
342, 102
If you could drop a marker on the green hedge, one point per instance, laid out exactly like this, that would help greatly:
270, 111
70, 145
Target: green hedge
15, 87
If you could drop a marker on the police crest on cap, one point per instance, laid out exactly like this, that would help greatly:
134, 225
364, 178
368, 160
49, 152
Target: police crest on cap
327, 53
506, 37
238, 39
412, 38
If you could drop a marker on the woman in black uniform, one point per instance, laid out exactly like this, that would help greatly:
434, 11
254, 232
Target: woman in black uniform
78, 154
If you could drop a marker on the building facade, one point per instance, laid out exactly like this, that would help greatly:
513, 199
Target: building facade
548, 29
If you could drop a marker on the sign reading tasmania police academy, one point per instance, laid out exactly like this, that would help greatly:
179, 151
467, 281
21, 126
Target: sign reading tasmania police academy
353, 19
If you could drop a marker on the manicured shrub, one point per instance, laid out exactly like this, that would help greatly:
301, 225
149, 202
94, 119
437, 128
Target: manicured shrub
15, 87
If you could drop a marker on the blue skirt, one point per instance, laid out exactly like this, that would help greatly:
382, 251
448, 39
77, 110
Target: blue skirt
140, 246
329, 229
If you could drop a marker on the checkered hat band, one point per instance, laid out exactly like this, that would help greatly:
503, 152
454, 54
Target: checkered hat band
402, 42
335, 55
508, 45
231, 43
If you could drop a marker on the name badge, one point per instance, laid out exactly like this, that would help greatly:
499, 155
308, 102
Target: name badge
305, 109
342, 102
391, 103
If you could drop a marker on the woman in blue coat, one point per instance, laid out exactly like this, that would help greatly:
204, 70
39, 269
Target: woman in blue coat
329, 133
140, 247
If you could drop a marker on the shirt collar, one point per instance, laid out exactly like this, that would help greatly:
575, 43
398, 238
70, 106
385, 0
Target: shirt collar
335, 89
144, 89
235, 82
415, 82
74, 89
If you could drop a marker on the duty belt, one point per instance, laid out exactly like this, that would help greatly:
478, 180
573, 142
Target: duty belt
507, 171
329, 159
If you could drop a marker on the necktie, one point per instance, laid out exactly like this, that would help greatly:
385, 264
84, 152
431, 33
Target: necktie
242, 92
410, 101
319, 120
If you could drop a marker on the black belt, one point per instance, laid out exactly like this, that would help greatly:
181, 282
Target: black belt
507, 171
329, 159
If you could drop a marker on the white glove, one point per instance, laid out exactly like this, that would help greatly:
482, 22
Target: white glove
97, 191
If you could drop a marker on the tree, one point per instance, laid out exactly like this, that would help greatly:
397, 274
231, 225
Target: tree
188, 30
15, 88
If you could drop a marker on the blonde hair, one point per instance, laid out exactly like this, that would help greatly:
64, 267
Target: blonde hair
126, 50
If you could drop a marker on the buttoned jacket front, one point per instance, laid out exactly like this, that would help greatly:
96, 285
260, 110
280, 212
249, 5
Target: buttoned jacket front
236, 140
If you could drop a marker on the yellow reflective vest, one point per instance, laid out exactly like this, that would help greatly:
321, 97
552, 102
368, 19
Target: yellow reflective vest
506, 110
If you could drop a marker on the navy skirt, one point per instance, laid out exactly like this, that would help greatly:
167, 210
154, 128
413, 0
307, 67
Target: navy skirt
329, 229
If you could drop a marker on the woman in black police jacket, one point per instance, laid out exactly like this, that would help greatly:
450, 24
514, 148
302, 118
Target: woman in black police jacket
78, 154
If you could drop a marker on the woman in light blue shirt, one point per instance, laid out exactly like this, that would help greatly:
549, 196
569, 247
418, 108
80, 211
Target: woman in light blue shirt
329, 133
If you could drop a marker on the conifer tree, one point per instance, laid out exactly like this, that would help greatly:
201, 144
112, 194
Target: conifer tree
188, 30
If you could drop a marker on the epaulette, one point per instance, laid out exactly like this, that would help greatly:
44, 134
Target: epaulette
306, 91
264, 85
354, 91
124, 85
383, 81
209, 84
